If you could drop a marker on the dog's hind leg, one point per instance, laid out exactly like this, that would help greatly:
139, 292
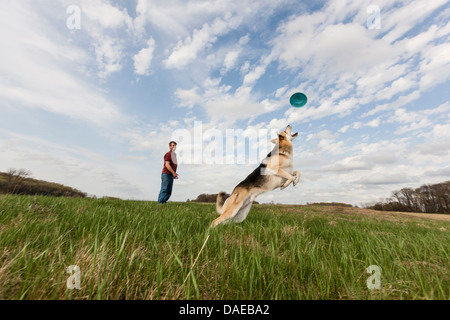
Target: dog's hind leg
243, 211
230, 209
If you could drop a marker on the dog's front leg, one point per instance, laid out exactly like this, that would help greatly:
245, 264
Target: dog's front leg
287, 176
297, 175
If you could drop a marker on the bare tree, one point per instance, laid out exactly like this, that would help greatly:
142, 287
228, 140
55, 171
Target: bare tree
428, 198
14, 179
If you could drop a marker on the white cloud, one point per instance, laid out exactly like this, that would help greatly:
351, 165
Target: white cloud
414, 126
435, 66
416, 120
188, 98
281, 91
220, 104
440, 172
105, 14
326, 134
441, 132
344, 129
230, 60
143, 59
232, 56
325, 49
105, 24
245, 67
326, 108
384, 178
378, 77
40, 69
401, 20
139, 139
374, 123
401, 101
109, 54
318, 44
401, 84
348, 164
436, 148
186, 51
443, 108
70, 165
177, 18
251, 77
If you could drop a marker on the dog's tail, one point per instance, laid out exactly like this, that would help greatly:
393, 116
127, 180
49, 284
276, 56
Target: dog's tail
221, 197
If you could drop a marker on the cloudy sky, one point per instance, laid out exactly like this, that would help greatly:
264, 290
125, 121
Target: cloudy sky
92, 91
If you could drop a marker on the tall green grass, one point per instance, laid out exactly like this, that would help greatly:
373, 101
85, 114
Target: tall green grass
141, 250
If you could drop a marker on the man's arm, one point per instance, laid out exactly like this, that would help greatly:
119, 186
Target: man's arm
175, 175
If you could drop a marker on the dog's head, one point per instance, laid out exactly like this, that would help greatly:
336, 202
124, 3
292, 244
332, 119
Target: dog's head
285, 136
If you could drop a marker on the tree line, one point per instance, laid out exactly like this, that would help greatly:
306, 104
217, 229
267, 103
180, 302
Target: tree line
19, 182
210, 198
428, 198
330, 204
207, 198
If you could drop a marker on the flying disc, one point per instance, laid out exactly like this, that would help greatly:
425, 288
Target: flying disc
298, 100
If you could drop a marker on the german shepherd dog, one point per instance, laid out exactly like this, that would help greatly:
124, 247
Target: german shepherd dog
275, 171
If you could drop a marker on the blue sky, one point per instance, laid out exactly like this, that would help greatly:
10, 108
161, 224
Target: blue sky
94, 108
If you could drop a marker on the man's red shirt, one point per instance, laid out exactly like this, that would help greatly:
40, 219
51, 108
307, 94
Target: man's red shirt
168, 157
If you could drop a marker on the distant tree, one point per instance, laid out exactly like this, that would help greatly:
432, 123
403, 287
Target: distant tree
18, 182
206, 198
14, 178
427, 199
334, 204
211, 198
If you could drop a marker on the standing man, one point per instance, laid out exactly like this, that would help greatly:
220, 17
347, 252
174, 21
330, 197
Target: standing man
169, 173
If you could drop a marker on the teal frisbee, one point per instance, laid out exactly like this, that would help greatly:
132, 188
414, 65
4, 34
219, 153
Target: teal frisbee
298, 100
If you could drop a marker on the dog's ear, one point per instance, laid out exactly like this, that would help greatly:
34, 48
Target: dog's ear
275, 140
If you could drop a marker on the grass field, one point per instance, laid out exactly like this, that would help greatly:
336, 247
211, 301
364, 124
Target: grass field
140, 250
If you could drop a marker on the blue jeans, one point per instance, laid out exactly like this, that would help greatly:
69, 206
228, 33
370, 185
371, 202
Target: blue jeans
166, 187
